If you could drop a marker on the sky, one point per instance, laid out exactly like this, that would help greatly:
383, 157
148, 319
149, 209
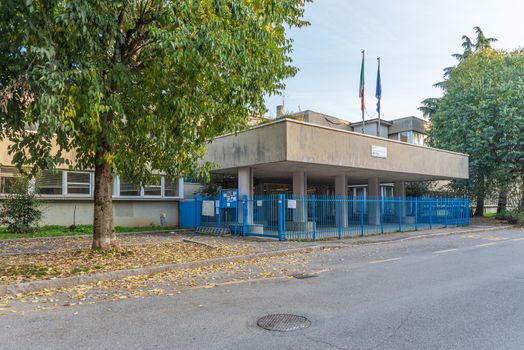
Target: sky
414, 38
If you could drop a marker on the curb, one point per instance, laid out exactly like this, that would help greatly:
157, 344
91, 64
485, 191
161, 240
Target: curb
34, 286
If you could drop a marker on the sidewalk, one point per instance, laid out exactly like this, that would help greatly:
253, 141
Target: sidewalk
170, 252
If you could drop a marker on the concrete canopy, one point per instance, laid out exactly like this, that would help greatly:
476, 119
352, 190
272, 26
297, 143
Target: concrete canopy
276, 150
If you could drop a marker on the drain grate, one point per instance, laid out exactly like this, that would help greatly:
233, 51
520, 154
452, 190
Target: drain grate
283, 322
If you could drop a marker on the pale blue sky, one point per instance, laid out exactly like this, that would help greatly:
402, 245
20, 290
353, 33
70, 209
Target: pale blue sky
414, 39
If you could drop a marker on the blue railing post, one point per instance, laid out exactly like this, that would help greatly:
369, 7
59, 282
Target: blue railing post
446, 217
399, 214
313, 217
416, 213
381, 214
430, 214
245, 207
279, 215
362, 204
339, 217
467, 211
284, 218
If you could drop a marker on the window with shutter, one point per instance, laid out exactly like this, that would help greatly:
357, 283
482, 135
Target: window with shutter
128, 189
7, 179
49, 183
78, 183
154, 188
171, 188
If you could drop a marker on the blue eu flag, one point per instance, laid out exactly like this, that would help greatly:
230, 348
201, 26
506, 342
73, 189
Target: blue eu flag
378, 92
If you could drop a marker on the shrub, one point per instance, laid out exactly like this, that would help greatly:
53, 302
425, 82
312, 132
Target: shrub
20, 210
513, 216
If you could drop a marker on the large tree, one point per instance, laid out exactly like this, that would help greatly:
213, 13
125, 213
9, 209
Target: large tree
138, 85
482, 114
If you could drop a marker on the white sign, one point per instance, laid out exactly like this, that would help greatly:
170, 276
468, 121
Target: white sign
217, 203
208, 208
259, 203
291, 204
379, 152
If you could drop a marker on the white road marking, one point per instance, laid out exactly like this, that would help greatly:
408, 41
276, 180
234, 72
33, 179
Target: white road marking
518, 239
383, 261
485, 245
445, 251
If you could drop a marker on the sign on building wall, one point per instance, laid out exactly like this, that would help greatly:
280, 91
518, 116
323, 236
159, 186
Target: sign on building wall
379, 152
208, 208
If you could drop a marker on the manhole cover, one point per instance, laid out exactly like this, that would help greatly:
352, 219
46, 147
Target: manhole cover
283, 322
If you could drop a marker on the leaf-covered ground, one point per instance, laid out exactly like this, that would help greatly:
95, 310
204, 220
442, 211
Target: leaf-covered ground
167, 284
59, 230
65, 263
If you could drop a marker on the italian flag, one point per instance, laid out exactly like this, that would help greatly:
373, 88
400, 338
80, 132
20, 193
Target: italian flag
361, 89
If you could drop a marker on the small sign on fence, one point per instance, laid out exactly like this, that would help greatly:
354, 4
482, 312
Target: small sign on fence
208, 208
259, 203
292, 204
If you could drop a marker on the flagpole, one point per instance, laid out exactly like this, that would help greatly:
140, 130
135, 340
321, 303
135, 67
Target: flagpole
362, 104
379, 82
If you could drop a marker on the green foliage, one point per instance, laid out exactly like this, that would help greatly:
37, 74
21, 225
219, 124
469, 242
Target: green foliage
139, 84
514, 216
418, 188
482, 114
20, 211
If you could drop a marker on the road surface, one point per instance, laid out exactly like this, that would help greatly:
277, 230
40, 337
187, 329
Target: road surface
454, 292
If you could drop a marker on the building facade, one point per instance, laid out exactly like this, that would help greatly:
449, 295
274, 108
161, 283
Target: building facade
68, 196
312, 153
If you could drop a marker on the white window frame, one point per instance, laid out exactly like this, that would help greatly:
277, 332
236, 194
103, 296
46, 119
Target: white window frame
64, 189
161, 195
65, 184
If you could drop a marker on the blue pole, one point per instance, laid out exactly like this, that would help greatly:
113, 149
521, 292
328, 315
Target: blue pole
362, 203
284, 218
313, 217
416, 213
279, 214
244, 215
430, 215
339, 225
399, 214
381, 214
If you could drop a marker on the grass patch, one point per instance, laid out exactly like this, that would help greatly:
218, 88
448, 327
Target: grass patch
58, 230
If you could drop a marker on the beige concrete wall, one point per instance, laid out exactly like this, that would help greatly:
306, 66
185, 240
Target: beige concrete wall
291, 142
7, 160
125, 213
307, 143
263, 144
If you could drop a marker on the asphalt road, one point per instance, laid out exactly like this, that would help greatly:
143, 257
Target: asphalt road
456, 292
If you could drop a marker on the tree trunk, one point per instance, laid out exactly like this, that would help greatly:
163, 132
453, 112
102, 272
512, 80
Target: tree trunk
502, 201
479, 209
103, 229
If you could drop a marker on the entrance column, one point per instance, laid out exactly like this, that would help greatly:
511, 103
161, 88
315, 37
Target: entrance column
400, 191
341, 189
374, 203
245, 187
300, 192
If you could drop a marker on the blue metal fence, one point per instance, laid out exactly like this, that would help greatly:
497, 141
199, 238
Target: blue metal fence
290, 217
